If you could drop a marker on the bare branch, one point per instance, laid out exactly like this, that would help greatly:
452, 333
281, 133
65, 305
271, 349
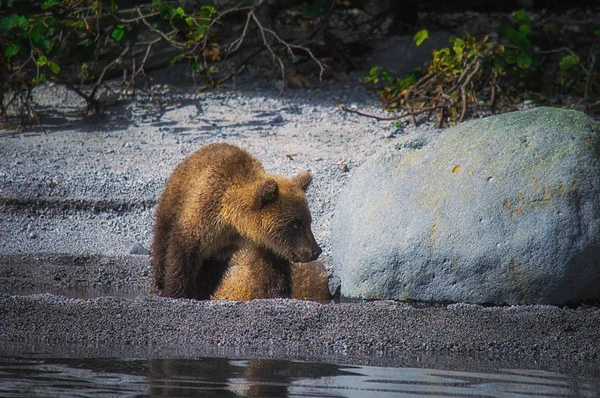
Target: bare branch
404, 114
236, 43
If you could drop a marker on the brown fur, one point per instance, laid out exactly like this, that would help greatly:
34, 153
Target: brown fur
217, 201
310, 282
256, 274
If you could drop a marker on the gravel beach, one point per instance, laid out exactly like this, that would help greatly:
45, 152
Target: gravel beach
76, 207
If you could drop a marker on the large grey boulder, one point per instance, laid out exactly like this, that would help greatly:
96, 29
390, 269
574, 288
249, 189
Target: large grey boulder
499, 210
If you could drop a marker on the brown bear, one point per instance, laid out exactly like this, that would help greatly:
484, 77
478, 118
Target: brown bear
218, 201
255, 273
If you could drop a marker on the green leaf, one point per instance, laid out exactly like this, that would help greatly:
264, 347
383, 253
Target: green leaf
510, 56
210, 10
16, 22
174, 60
198, 34
196, 67
38, 38
49, 3
517, 38
213, 69
42, 60
55, 68
410, 79
568, 61
11, 50
524, 61
525, 29
180, 12
459, 46
41, 79
118, 33
597, 33
374, 71
521, 17
421, 36
165, 11
496, 63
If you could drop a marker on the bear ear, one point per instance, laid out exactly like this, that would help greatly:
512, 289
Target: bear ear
303, 180
267, 193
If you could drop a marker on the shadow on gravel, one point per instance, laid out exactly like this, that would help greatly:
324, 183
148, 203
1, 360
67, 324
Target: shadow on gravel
129, 112
62, 205
52, 120
75, 276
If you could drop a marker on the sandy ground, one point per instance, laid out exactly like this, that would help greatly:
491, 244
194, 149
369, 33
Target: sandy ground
76, 206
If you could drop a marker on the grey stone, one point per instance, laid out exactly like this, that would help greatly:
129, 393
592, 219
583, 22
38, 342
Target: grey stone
138, 249
334, 285
277, 120
498, 210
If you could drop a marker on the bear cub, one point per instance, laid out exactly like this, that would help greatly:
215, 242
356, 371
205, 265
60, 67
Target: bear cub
218, 201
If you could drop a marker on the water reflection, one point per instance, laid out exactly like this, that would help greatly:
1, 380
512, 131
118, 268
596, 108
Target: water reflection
222, 377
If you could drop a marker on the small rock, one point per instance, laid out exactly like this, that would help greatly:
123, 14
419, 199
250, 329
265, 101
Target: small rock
334, 286
33, 235
277, 120
138, 249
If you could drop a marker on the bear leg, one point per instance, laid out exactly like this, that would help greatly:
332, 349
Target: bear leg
210, 276
181, 269
274, 271
160, 245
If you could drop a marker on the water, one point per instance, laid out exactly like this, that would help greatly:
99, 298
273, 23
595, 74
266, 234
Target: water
222, 377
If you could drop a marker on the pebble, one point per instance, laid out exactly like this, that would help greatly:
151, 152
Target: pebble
138, 249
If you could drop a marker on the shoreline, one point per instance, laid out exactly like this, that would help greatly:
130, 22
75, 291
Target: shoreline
77, 201
379, 333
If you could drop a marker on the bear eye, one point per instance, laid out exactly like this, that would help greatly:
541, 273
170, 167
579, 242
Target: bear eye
296, 225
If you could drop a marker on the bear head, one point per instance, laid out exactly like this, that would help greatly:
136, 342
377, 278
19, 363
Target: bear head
278, 217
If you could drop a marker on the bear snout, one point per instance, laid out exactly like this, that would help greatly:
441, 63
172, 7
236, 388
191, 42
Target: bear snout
306, 254
316, 253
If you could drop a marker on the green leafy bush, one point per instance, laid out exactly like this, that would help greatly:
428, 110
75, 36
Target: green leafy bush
97, 39
467, 73
470, 75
